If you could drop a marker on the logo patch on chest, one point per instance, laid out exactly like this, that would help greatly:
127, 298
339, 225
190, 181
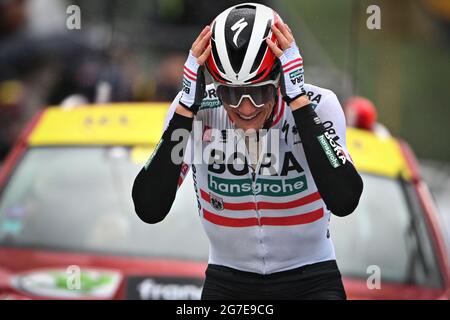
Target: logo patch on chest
216, 202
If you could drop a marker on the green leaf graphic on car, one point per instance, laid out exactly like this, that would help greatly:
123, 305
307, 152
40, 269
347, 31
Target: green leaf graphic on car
87, 281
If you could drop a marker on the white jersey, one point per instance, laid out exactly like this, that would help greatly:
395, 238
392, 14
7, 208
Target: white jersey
257, 219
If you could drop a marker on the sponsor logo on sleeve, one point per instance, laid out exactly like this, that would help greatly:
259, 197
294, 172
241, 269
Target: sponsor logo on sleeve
186, 85
333, 151
296, 76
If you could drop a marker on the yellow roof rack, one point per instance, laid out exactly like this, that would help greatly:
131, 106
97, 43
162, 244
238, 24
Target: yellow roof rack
377, 155
113, 124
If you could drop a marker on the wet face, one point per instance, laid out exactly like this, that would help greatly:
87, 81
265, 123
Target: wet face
247, 116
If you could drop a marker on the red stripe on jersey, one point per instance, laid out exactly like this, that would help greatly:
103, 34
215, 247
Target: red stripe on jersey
265, 204
230, 206
229, 222
291, 204
189, 76
304, 218
192, 73
292, 67
293, 61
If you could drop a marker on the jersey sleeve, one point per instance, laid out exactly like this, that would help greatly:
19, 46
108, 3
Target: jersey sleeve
332, 116
185, 165
156, 185
322, 132
171, 111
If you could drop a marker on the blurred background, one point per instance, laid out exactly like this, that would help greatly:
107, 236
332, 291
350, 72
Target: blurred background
133, 51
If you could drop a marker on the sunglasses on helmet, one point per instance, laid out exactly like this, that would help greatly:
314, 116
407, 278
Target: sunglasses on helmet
258, 95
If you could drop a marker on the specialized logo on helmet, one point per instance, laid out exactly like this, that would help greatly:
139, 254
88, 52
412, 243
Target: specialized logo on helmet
239, 54
216, 202
238, 27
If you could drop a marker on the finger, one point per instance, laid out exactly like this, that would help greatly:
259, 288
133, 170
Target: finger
200, 46
290, 34
276, 51
284, 44
202, 58
200, 36
289, 29
285, 31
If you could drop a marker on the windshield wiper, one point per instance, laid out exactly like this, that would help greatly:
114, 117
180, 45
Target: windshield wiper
416, 252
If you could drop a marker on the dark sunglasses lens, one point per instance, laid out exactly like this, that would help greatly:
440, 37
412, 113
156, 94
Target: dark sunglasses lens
230, 95
260, 94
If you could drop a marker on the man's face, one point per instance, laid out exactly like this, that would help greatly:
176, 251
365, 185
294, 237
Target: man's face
247, 116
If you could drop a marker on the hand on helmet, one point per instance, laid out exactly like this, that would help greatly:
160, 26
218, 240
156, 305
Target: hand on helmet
292, 79
193, 75
201, 48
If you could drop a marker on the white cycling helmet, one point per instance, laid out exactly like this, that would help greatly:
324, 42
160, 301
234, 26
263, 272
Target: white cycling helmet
240, 55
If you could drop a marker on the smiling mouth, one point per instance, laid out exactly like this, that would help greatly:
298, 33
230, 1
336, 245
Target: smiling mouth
248, 118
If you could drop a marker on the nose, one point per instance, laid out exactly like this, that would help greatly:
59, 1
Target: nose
246, 107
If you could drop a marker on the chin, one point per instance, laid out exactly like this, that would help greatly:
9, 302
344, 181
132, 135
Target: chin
251, 125
255, 124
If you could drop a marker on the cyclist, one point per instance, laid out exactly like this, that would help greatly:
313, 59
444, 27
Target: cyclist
267, 216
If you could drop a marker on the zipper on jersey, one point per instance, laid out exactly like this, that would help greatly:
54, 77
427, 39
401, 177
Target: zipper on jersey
258, 215
254, 196
257, 210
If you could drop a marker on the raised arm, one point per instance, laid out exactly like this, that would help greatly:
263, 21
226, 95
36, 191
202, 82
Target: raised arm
155, 186
337, 180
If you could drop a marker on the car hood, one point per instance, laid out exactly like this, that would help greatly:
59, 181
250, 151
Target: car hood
357, 289
41, 274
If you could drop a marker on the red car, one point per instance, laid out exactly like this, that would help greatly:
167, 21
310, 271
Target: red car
67, 222
392, 246
68, 227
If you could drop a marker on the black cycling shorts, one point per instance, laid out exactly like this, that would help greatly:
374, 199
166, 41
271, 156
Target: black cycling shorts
319, 281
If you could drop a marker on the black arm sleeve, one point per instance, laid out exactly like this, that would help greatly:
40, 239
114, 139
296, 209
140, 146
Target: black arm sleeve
155, 186
337, 180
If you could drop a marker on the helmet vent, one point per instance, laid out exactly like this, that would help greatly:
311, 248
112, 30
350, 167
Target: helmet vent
245, 6
259, 57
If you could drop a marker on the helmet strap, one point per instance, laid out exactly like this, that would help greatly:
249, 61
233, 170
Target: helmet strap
269, 121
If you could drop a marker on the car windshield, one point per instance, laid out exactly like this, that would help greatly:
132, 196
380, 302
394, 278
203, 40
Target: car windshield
387, 234
79, 199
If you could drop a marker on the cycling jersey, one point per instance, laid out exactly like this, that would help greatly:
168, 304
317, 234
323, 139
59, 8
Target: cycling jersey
271, 217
